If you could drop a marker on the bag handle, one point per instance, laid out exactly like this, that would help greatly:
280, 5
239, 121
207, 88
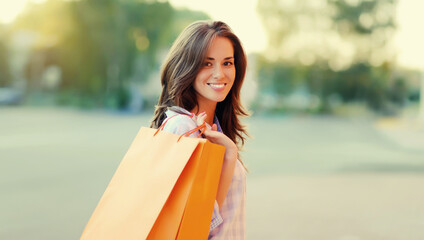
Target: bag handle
202, 128
160, 128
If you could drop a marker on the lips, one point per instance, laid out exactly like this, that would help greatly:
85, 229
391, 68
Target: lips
217, 86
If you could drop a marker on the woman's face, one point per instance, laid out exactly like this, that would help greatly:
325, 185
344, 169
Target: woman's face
217, 74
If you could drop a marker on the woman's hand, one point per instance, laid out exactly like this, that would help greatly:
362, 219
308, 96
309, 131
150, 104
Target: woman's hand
214, 136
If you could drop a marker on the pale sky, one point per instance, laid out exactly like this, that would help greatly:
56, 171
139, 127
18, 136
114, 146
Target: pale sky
242, 17
410, 36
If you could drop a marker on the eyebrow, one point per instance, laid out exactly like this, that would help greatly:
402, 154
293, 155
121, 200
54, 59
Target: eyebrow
211, 58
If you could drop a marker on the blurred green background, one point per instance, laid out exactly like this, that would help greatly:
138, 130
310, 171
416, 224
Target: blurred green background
107, 54
337, 147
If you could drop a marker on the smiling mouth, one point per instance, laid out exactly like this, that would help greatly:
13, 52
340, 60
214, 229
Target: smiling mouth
217, 86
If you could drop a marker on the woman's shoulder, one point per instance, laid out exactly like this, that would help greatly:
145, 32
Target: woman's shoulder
178, 122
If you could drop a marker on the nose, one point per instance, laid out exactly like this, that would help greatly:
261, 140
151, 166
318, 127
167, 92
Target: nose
218, 73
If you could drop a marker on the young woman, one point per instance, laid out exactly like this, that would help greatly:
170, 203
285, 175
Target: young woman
202, 76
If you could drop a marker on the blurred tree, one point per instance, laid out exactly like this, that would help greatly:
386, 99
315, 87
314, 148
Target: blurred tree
5, 78
368, 25
340, 47
183, 18
101, 46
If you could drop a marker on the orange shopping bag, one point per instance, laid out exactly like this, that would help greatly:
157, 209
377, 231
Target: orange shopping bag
164, 188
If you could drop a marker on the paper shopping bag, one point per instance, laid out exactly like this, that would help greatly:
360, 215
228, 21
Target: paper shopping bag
164, 186
192, 199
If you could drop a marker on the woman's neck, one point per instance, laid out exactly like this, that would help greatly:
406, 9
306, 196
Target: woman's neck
209, 109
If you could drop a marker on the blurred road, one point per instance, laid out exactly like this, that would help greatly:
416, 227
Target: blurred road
318, 178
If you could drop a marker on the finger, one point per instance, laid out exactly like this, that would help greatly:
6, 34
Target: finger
202, 115
214, 127
209, 133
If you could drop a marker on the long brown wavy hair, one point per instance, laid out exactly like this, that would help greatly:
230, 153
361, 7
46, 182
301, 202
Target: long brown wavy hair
180, 69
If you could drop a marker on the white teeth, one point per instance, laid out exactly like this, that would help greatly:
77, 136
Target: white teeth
217, 85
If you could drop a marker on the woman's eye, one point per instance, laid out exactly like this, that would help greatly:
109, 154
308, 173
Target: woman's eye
207, 64
228, 63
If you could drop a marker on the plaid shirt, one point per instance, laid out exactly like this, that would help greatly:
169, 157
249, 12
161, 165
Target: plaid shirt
228, 222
